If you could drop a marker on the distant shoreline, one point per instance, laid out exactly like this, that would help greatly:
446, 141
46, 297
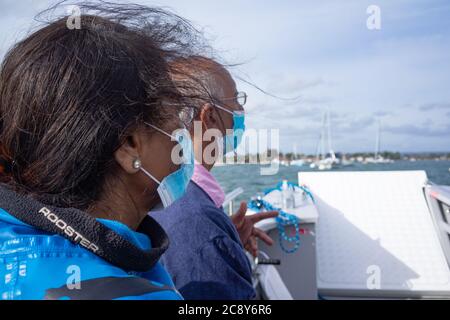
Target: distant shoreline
356, 157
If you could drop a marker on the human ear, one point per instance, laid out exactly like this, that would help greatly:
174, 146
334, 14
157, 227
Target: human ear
128, 153
208, 117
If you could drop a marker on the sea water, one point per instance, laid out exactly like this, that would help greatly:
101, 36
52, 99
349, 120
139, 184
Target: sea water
248, 176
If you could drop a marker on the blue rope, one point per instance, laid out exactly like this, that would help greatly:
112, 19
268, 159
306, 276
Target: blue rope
284, 219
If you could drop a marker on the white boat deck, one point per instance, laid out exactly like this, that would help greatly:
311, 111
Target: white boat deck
375, 236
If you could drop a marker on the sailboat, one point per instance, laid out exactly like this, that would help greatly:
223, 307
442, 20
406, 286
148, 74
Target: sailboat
378, 159
295, 161
325, 161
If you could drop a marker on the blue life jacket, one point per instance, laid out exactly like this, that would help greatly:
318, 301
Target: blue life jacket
53, 253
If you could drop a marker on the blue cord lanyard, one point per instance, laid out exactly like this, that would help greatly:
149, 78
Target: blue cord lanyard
283, 220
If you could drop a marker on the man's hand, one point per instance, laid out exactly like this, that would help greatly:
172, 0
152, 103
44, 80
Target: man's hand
245, 226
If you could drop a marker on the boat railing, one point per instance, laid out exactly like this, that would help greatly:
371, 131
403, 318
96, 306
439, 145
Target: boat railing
438, 199
229, 198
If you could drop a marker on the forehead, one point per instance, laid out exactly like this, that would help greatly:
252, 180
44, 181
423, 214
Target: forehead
226, 82
206, 69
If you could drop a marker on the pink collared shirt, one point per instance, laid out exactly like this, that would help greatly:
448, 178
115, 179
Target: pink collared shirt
206, 181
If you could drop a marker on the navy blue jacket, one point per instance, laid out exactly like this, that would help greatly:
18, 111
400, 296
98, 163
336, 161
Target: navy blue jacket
205, 259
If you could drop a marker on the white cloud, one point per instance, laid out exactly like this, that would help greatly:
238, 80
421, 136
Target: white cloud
323, 52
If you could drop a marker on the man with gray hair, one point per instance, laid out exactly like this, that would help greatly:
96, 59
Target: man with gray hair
206, 257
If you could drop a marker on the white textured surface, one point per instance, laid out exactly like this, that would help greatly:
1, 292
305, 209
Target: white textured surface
376, 220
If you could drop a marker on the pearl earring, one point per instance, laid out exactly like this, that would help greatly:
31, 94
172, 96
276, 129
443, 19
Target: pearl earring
137, 164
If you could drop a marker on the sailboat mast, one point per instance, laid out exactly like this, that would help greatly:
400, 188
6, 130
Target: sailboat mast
318, 151
330, 149
322, 145
377, 143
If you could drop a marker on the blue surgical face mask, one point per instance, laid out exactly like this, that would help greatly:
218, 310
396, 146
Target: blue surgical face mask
174, 186
232, 141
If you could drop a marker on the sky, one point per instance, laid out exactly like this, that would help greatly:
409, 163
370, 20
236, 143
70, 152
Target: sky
322, 53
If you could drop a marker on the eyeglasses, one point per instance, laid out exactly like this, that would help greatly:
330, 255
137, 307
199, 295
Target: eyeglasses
241, 98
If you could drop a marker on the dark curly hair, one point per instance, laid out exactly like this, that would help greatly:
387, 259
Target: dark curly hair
68, 97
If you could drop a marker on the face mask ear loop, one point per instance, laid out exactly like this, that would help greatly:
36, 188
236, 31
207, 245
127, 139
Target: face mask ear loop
222, 108
161, 131
150, 176
221, 119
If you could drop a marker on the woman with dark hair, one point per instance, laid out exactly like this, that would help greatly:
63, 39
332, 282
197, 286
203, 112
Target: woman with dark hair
86, 122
